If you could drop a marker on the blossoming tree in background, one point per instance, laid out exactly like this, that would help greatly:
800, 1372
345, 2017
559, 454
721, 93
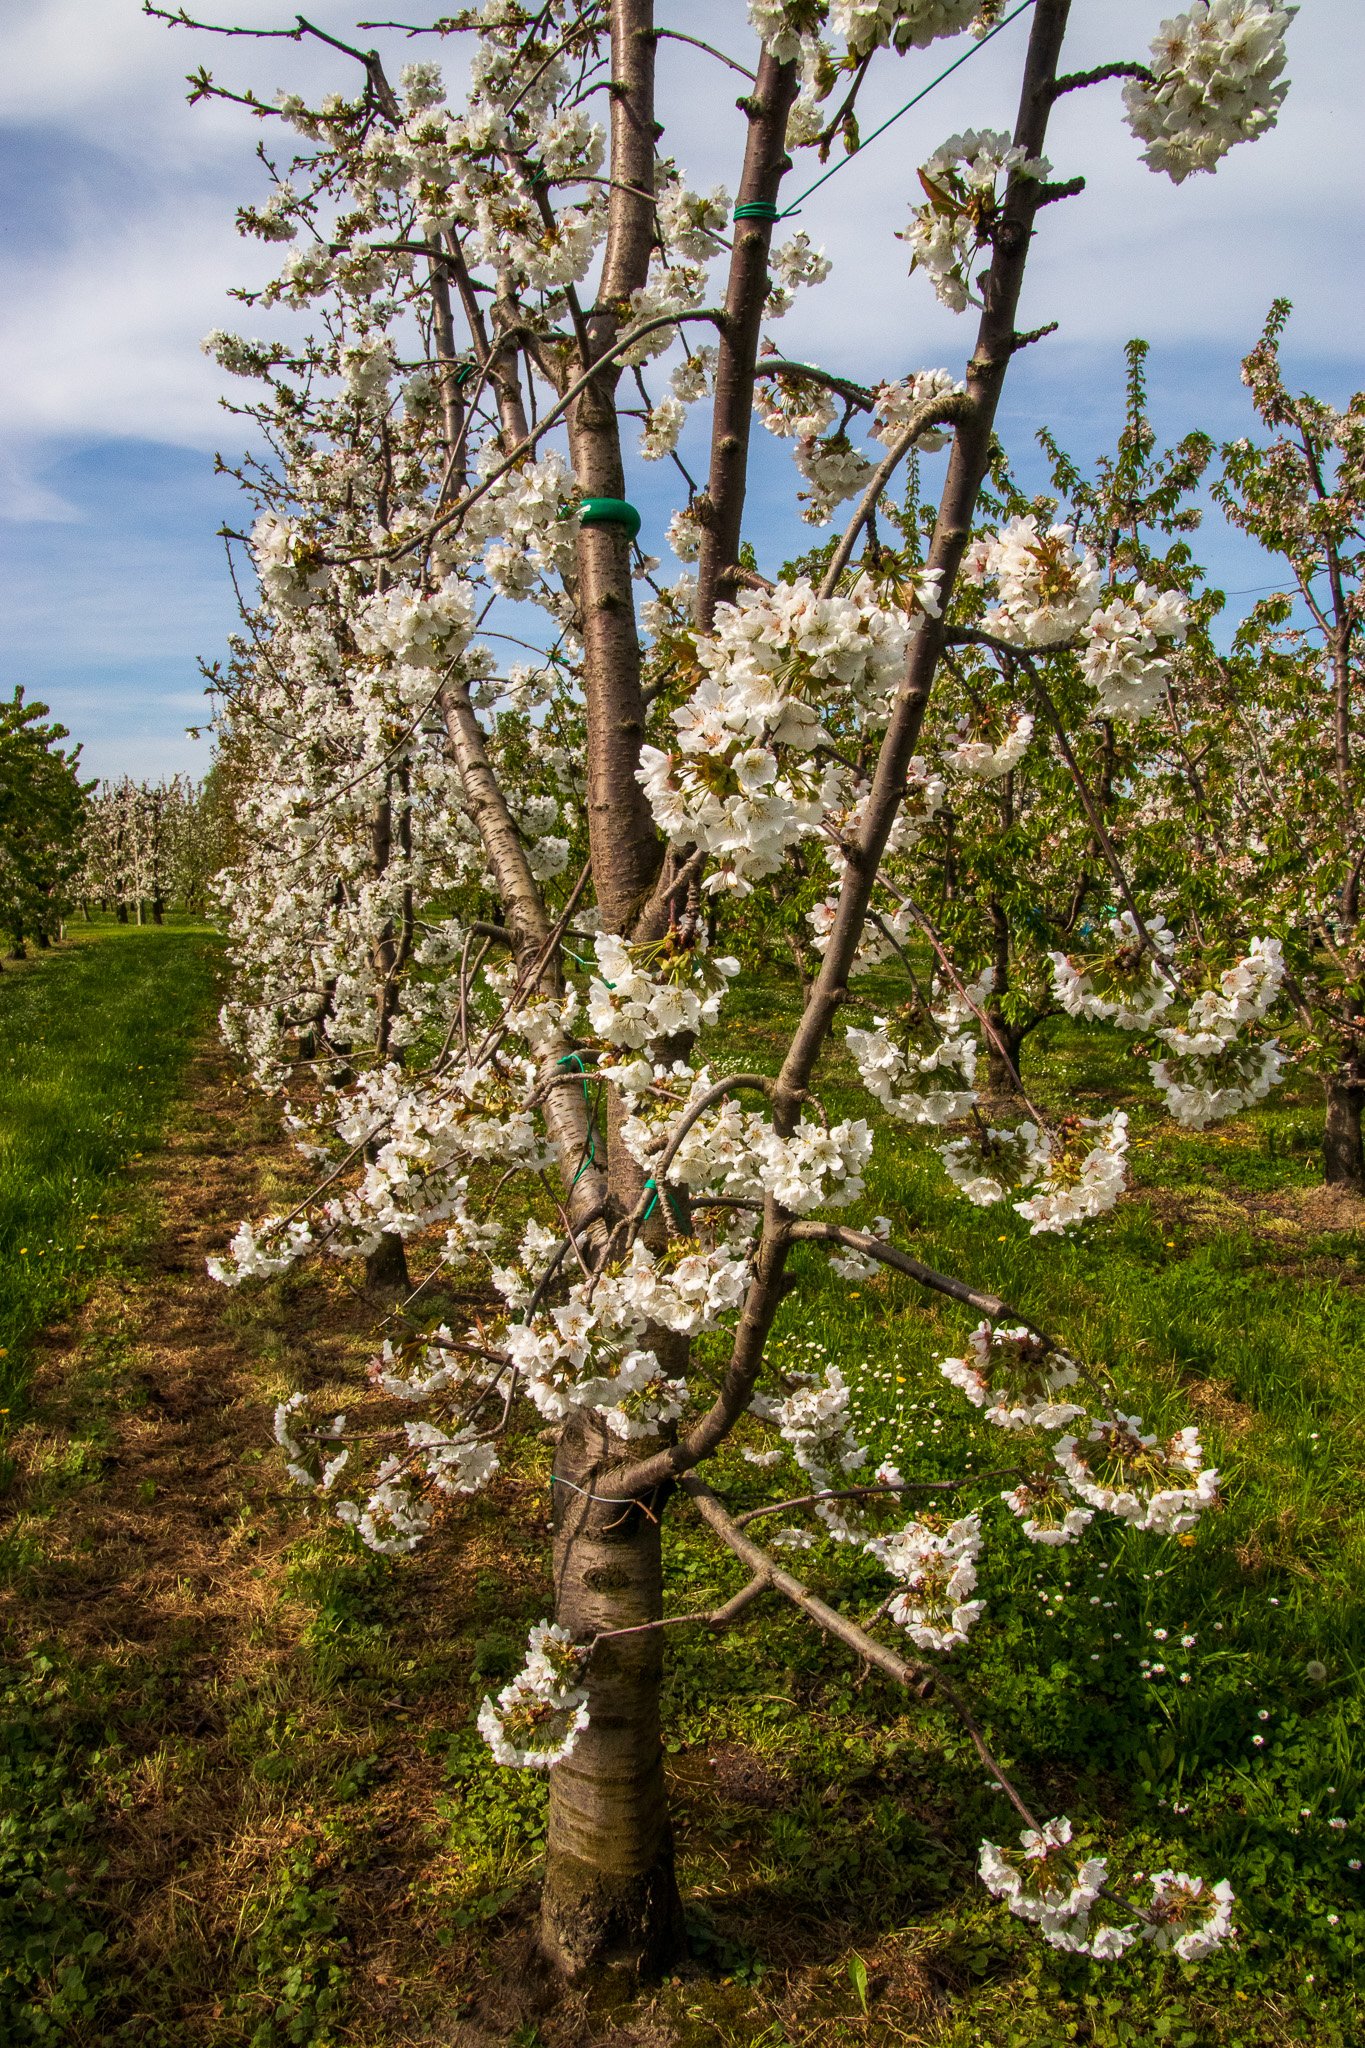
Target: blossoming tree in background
148, 846
1023, 857
1272, 753
480, 913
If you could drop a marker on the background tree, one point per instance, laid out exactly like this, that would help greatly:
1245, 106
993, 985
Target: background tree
42, 800
152, 846
1282, 718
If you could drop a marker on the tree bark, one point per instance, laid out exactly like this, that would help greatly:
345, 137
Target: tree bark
765, 162
1343, 1155
1003, 1048
1002, 1041
611, 1898
386, 1267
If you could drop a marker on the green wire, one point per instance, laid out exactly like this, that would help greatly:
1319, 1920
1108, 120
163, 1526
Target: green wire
1023, 8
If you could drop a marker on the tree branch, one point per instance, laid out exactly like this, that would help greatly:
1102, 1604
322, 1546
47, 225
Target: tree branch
989, 1305
915, 1677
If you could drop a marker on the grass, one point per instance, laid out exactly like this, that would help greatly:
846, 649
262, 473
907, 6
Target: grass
243, 1801
93, 1039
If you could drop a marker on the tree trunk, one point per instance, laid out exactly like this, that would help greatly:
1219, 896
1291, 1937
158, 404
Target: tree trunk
1002, 1059
121, 912
610, 1899
386, 1267
1342, 1155
158, 910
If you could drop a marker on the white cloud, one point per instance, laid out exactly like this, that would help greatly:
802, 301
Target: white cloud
28, 501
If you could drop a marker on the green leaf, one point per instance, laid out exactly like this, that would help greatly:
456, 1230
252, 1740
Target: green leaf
857, 1977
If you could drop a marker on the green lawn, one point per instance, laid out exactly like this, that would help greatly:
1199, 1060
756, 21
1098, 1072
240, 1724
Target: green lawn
93, 1039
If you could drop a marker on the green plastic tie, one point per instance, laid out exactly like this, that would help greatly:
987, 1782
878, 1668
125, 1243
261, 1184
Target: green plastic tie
654, 1201
758, 209
610, 512
463, 373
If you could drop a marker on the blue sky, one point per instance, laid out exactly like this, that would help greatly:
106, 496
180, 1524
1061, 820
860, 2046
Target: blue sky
117, 250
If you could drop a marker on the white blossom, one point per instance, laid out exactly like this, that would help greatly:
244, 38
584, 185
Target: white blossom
1083, 1177
939, 1572
1047, 585
1187, 1916
1130, 984
898, 401
963, 179
1014, 1377
659, 435
1143, 1481
901, 24
537, 1719
1216, 72
1211, 1069
1123, 655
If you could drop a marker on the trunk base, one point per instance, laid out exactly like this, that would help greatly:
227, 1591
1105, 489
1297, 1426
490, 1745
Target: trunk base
386, 1268
592, 1920
610, 1904
1002, 1063
1343, 1156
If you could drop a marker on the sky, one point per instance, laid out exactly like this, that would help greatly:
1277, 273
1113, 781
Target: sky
118, 250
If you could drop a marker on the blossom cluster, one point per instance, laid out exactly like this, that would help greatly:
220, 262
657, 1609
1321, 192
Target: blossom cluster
1045, 1883
938, 1570
895, 1073
1130, 983
594, 1349
1014, 1377
738, 1154
1074, 1176
629, 1006
1048, 594
1215, 82
537, 1719
745, 782
1019, 1381
1210, 1070
965, 180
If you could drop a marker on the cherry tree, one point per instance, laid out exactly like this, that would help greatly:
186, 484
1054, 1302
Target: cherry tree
1278, 721
481, 909
146, 845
